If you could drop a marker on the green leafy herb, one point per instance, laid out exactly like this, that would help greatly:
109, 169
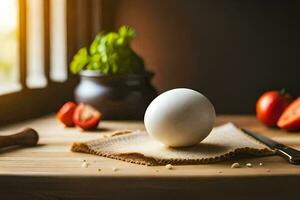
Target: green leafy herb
109, 53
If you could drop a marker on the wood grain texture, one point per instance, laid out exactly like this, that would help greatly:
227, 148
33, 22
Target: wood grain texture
51, 171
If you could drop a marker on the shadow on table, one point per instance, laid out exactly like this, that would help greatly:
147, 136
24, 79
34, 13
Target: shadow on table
16, 148
204, 148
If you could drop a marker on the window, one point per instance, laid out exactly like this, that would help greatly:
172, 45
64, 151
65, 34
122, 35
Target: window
9, 51
38, 39
33, 58
45, 24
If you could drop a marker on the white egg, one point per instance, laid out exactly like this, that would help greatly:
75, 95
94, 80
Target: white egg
180, 117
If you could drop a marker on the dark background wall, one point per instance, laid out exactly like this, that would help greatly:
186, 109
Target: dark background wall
231, 51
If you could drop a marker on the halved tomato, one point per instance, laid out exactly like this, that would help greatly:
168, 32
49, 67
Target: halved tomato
290, 118
65, 113
86, 117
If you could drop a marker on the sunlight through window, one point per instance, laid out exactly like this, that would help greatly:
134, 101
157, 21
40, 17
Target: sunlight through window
9, 51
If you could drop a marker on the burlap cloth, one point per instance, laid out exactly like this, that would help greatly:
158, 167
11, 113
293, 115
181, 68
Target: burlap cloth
223, 143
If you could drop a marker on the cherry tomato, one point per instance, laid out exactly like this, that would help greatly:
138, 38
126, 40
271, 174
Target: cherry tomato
270, 106
65, 113
290, 118
86, 117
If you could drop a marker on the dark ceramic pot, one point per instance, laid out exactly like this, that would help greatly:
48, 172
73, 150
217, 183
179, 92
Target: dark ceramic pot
116, 96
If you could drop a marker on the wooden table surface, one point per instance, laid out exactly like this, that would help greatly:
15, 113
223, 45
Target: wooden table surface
51, 171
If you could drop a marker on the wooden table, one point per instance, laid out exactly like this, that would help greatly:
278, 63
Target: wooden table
51, 171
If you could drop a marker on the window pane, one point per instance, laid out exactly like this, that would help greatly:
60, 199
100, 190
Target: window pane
58, 41
9, 51
35, 44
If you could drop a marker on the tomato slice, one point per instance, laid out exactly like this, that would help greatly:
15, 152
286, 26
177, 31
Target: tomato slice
65, 113
86, 117
290, 119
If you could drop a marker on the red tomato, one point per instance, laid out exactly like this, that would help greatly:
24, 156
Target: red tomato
65, 113
86, 117
290, 118
270, 106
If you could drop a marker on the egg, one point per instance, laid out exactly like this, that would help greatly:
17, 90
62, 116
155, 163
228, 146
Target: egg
179, 117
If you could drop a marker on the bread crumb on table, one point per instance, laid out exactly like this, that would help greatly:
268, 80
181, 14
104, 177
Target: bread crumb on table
248, 165
85, 165
169, 166
235, 165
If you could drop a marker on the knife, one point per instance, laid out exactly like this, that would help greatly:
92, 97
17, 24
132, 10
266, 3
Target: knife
288, 153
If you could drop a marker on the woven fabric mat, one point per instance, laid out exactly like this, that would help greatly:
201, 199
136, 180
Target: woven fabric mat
223, 143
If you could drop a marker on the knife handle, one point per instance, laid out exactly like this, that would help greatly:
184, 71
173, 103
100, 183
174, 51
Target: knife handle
290, 154
26, 137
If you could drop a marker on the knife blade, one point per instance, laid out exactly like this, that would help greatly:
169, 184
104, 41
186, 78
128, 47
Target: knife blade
290, 154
